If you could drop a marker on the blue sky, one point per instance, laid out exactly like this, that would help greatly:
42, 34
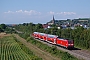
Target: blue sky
42, 11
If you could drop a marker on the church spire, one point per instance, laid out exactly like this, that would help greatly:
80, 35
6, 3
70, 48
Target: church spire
53, 21
53, 18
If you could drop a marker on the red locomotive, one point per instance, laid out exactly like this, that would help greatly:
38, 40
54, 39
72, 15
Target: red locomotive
53, 39
65, 43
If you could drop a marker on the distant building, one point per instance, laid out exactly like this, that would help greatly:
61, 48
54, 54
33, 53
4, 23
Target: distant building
81, 22
52, 21
85, 22
45, 26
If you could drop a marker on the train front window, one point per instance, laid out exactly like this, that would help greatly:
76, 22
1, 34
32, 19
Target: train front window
70, 42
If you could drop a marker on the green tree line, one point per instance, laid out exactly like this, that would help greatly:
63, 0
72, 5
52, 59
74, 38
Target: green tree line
80, 35
7, 29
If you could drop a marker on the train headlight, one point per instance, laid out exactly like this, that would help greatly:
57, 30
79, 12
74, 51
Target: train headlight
71, 44
68, 44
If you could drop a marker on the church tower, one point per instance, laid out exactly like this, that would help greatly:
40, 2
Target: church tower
53, 21
53, 17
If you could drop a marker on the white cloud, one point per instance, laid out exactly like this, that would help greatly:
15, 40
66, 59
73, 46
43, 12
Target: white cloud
31, 12
52, 13
67, 13
19, 11
9, 12
61, 13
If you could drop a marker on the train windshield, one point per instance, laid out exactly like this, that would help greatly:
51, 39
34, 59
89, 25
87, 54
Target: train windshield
70, 41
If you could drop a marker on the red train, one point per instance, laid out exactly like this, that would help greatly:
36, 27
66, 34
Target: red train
53, 39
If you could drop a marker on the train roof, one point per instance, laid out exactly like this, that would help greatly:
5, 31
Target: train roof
52, 35
36, 32
39, 33
63, 39
42, 33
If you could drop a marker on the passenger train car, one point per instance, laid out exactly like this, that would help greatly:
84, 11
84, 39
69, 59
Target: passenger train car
54, 39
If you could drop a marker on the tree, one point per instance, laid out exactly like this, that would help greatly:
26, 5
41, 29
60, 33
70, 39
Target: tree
38, 27
1, 30
3, 26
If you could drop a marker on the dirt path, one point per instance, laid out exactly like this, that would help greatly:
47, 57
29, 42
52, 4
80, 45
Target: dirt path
44, 55
3, 34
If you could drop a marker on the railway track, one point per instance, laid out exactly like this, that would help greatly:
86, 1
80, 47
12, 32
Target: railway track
82, 54
79, 53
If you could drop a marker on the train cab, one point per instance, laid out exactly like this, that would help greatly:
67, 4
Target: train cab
69, 44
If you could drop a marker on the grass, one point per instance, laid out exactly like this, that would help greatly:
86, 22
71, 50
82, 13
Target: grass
53, 50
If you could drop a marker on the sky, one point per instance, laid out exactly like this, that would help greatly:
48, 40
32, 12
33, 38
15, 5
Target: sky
42, 11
